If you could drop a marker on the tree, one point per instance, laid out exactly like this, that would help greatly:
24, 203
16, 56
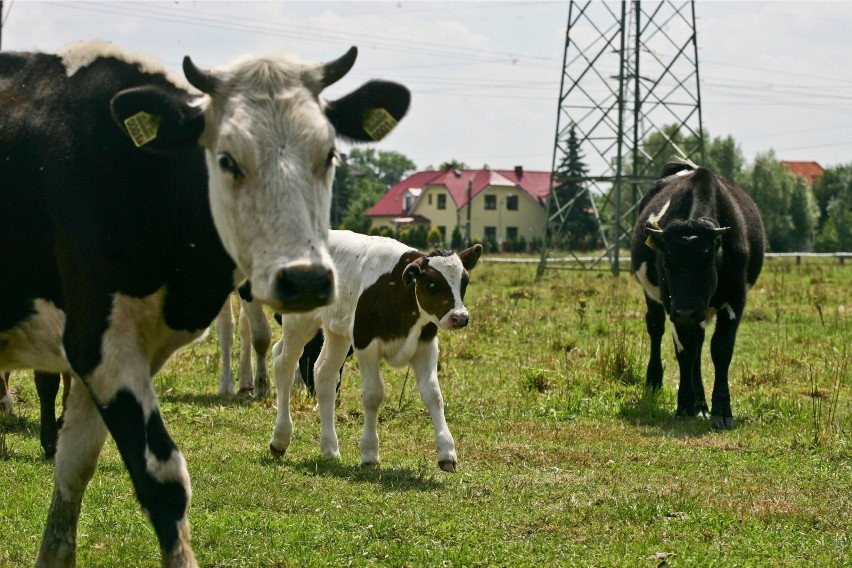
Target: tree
362, 179
452, 165
788, 210
580, 226
833, 193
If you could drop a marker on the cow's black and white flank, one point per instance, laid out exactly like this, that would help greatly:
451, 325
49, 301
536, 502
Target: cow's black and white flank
697, 248
392, 301
133, 204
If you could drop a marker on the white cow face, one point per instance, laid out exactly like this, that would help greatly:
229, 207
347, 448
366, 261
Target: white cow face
269, 142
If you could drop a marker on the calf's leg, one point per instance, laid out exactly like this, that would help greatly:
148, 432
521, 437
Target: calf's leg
326, 373
372, 396
722, 351
6, 404
425, 363
688, 349
296, 331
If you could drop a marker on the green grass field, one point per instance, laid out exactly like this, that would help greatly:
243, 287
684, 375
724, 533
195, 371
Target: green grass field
564, 458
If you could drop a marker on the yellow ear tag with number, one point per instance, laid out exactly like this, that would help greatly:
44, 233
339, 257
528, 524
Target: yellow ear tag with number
649, 242
142, 128
378, 122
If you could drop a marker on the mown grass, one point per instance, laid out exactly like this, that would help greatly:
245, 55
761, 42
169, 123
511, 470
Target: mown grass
565, 458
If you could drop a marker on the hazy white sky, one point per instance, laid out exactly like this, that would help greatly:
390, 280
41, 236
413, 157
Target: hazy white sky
485, 75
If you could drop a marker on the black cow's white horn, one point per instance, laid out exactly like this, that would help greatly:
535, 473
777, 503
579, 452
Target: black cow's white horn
202, 80
721, 230
333, 71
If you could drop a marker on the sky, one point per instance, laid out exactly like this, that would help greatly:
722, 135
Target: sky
485, 75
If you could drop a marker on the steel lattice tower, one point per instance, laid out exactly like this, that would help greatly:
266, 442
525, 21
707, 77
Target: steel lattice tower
628, 70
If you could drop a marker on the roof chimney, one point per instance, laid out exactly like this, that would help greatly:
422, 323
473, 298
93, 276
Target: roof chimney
519, 172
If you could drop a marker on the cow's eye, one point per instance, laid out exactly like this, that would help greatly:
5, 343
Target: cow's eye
432, 287
331, 158
229, 166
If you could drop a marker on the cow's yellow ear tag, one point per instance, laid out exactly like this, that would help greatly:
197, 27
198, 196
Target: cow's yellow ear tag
378, 122
142, 128
649, 242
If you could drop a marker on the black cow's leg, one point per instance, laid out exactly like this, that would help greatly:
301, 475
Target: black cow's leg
700, 405
47, 387
687, 349
722, 350
83, 436
655, 322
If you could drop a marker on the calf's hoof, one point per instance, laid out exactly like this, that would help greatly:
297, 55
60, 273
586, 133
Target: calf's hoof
722, 422
448, 466
276, 453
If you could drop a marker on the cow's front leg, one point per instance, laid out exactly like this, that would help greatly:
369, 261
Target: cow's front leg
296, 331
425, 363
688, 350
83, 435
655, 322
721, 351
326, 373
372, 396
47, 387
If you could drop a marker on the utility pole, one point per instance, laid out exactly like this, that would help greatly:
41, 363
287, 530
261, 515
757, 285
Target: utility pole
614, 108
2, 23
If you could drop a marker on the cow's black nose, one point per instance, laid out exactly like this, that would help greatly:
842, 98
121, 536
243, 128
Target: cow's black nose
301, 288
684, 315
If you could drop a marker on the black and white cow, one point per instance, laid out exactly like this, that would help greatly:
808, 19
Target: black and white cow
392, 299
133, 204
697, 248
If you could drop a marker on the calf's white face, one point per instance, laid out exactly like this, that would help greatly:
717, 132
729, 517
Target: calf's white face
271, 159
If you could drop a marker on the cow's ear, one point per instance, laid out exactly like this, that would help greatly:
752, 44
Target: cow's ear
369, 113
157, 120
411, 272
655, 238
470, 256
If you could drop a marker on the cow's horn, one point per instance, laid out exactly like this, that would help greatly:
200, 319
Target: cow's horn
333, 71
204, 81
721, 231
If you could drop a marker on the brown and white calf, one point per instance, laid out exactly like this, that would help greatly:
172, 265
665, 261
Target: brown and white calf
391, 301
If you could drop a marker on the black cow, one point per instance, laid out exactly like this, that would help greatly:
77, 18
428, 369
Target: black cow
697, 247
133, 205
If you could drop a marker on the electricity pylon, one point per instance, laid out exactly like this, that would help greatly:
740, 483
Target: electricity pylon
628, 69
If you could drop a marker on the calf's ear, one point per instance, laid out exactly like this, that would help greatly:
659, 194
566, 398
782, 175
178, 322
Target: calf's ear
411, 272
369, 113
157, 120
470, 256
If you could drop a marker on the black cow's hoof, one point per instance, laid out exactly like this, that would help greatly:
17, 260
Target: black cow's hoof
448, 466
276, 453
722, 422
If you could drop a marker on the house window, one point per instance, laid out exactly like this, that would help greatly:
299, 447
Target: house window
430, 199
490, 233
491, 202
442, 201
511, 233
512, 202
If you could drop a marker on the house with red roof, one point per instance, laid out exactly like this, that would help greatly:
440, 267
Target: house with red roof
503, 205
810, 171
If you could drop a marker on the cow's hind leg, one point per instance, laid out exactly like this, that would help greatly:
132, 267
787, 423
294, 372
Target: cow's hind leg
225, 331
326, 373
425, 363
655, 322
6, 404
254, 329
47, 387
83, 436
722, 351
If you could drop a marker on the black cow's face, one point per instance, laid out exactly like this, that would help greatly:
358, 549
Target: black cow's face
689, 253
